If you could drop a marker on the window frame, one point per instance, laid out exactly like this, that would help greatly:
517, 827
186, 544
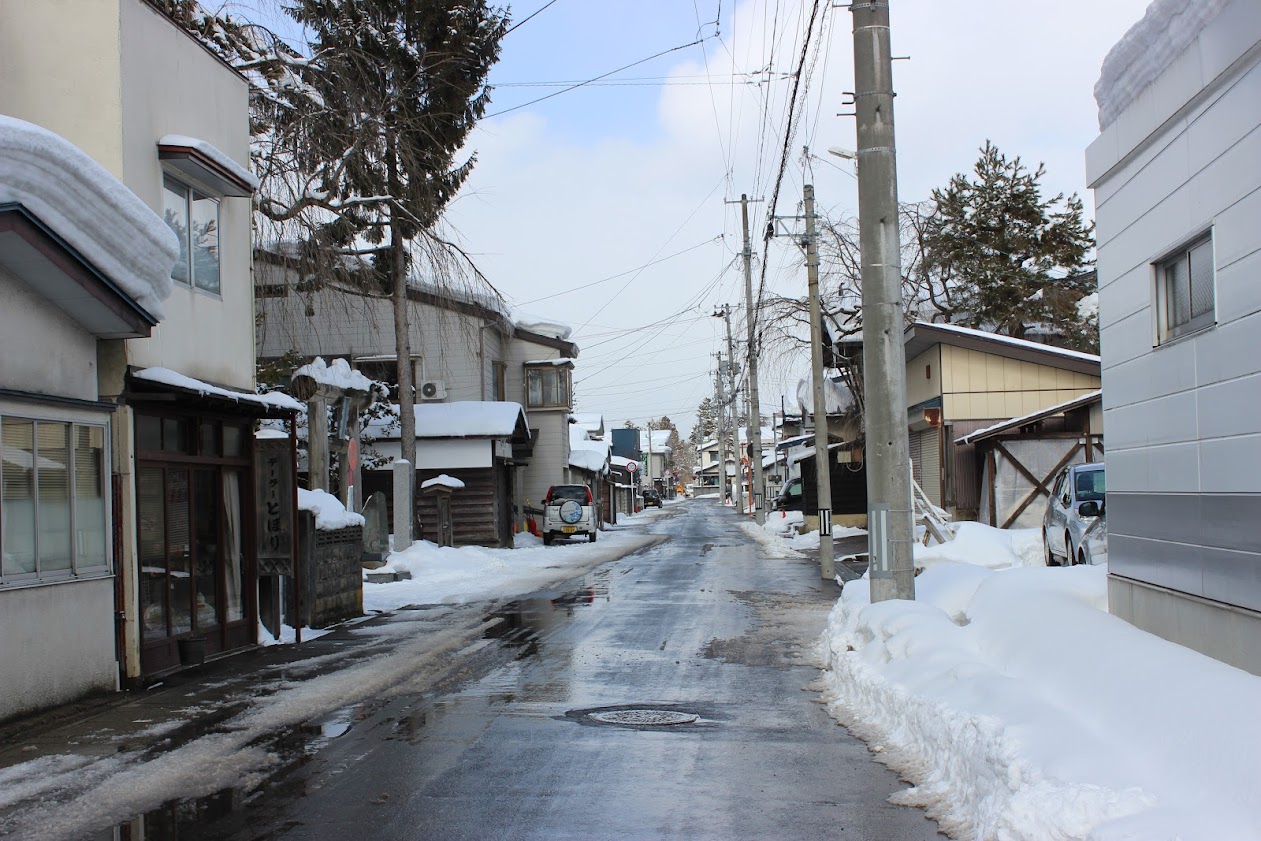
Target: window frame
78, 569
563, 375
1166, 329
190, 194
418, 371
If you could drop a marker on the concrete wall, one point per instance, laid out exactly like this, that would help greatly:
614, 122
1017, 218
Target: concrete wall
58, 644
65, 363
1181, 419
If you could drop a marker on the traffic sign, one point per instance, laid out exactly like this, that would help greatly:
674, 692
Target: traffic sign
631, 467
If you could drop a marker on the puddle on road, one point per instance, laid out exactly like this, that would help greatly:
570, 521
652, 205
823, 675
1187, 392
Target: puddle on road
524, 623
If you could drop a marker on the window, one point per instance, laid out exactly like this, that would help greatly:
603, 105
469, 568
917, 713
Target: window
1184, 290
194, 217
53, 522
547, 386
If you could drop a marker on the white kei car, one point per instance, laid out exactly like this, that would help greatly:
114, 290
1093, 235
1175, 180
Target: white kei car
569, 510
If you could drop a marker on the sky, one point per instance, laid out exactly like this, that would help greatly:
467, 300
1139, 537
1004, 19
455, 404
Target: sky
609, 206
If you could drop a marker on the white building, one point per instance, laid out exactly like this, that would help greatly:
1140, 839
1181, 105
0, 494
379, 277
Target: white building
1176, 172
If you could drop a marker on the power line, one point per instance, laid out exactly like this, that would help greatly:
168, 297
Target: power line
526, 19
621, 274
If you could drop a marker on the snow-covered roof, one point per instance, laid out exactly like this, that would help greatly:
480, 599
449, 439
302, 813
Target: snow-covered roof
443, 480
564, 360
838, 399
589, 421
591, 460
339, 374
660, 441
460, 419
543, 326
620, 461
330, 514
165, 376
1147, 49
997, 338
585, 453
213, 154
1016, 423
90, 209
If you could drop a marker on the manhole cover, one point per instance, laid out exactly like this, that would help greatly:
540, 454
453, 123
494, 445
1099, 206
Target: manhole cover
643, 718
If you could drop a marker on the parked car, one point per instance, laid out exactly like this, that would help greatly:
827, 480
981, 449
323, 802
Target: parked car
1094, 541
1067, 518
652, 498
569, 510
790, 498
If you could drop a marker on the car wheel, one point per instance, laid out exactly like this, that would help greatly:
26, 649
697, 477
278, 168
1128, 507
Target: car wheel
1046, 551
547, 538
591, 537
1069, 557
1081, 557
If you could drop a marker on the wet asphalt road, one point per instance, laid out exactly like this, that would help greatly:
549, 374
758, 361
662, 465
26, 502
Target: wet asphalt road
698, 625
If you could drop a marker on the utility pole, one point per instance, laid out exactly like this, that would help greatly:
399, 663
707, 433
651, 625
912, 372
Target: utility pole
756, 486
889, 518
735, 414
822, 456
652, 485
719, 433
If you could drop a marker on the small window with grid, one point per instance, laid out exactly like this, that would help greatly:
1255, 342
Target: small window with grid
1186, 299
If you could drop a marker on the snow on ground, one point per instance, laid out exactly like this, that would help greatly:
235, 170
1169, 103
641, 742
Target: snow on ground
779, 534
442, 574
1021, 709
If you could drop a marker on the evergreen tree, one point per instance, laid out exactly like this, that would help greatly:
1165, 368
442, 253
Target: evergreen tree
1011, 258
706, 424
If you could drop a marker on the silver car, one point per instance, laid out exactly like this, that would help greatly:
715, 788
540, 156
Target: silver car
1076, 505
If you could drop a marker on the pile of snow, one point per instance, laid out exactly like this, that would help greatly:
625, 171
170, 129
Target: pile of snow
337, 375
837, 398
1019, 708
543, 326
1088, 307
443, 574
166, 376
90, 209
1150, 46
329, 512
444, 480
977, 543
287, 635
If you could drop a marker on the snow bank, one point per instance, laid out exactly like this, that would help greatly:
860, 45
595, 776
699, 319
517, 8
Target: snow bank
1020, 708
339, 374
90, 209
329, 512
977, 543
1147, 49
444, 480
443, 574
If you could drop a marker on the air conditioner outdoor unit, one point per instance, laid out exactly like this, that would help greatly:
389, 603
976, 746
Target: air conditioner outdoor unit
434, 390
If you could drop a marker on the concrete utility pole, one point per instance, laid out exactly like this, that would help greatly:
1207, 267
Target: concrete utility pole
757, 486
822, 456
890, 527
720, 419
735, 414
652, 485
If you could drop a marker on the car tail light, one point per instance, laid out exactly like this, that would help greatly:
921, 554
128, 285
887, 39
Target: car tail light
589, 502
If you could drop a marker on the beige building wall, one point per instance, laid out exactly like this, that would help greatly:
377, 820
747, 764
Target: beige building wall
61, 68
980, 386
923, 376
171, 85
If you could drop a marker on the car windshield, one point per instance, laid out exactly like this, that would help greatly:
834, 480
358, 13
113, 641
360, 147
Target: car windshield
1090, 486
578, 493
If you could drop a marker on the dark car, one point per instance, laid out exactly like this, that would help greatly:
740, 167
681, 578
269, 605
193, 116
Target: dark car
789, 498
652, 498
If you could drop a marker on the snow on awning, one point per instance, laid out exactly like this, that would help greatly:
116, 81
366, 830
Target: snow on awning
205, 163
443, 480
1024, 420
106, 225
274, 402
564, 360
